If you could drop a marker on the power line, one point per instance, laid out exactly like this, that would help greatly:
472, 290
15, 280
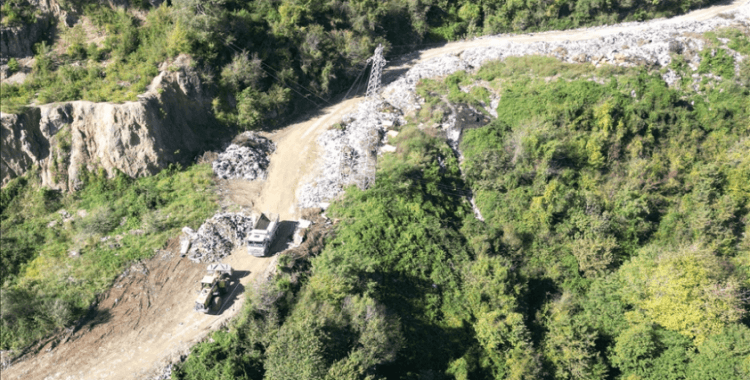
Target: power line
356, 80
301, 86
241, 51
292, 88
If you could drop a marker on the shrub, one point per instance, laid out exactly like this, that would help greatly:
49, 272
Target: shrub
717, 61
13, 65
101, 221
173, 198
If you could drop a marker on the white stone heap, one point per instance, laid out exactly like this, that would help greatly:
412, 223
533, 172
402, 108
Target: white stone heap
345, 150
638, 43
216, 237
246, 158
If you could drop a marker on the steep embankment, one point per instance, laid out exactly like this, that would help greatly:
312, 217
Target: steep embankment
169, 123
96, 351
649, 43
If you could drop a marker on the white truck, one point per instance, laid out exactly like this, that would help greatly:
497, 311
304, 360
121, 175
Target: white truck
259, 240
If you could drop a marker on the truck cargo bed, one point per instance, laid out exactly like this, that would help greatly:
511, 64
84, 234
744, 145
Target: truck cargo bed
262, 222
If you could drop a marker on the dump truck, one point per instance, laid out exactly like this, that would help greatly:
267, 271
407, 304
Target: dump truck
259, 240
213, 286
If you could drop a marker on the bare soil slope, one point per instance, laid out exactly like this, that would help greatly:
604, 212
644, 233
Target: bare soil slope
146, 319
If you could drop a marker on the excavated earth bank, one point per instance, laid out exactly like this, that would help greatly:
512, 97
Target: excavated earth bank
170, 123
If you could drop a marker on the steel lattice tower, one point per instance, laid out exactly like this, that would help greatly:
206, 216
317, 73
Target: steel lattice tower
368, 158
378, 63
366, 161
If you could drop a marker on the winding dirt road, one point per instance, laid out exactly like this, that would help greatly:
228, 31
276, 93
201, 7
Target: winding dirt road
146, 320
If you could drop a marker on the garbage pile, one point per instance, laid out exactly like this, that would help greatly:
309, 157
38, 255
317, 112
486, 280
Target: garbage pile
246, 158
166, 373
348, 151
216, 237
639, 43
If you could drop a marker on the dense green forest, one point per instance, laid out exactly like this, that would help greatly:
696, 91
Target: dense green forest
268, 58
615, 245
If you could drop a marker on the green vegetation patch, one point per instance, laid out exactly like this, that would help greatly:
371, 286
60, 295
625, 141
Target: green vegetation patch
116, 72
270, 58
17, 13
615, 243
60, 251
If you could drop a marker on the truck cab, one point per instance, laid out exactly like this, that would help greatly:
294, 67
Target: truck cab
260, 239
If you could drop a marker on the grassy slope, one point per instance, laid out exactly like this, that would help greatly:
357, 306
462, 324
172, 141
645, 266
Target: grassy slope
596, 204
44, 288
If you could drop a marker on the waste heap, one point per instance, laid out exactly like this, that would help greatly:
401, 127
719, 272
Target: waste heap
246, 158
216, 237
346, 149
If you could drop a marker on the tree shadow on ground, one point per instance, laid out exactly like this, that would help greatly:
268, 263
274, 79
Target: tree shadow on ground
94, 317
430, 346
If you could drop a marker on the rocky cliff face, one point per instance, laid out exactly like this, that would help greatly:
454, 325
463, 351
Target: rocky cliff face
171, 122
18, 41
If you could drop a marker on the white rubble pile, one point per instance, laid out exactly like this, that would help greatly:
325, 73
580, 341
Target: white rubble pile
216, 237
343, 150
636, 43
165, 374
245, 158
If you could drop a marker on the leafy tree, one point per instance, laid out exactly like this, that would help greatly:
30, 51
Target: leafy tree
722, 356
685, 290
570, 344
242, 72
13, 65
498, 323
648, 352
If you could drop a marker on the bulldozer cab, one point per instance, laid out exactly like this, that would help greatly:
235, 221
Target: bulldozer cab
213, 285
207, 283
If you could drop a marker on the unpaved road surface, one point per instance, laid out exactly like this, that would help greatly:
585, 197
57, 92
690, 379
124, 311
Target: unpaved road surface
147, 320
144, 321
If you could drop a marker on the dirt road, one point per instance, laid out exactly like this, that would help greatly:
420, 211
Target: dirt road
146, 319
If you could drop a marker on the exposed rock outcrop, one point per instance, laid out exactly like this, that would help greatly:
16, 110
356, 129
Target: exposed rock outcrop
170, 123
18, 41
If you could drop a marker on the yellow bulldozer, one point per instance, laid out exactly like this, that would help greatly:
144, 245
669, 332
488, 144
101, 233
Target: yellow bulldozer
213, 288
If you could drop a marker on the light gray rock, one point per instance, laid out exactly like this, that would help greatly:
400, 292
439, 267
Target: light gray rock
246, 158
170, 123
18, 41
217, 236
